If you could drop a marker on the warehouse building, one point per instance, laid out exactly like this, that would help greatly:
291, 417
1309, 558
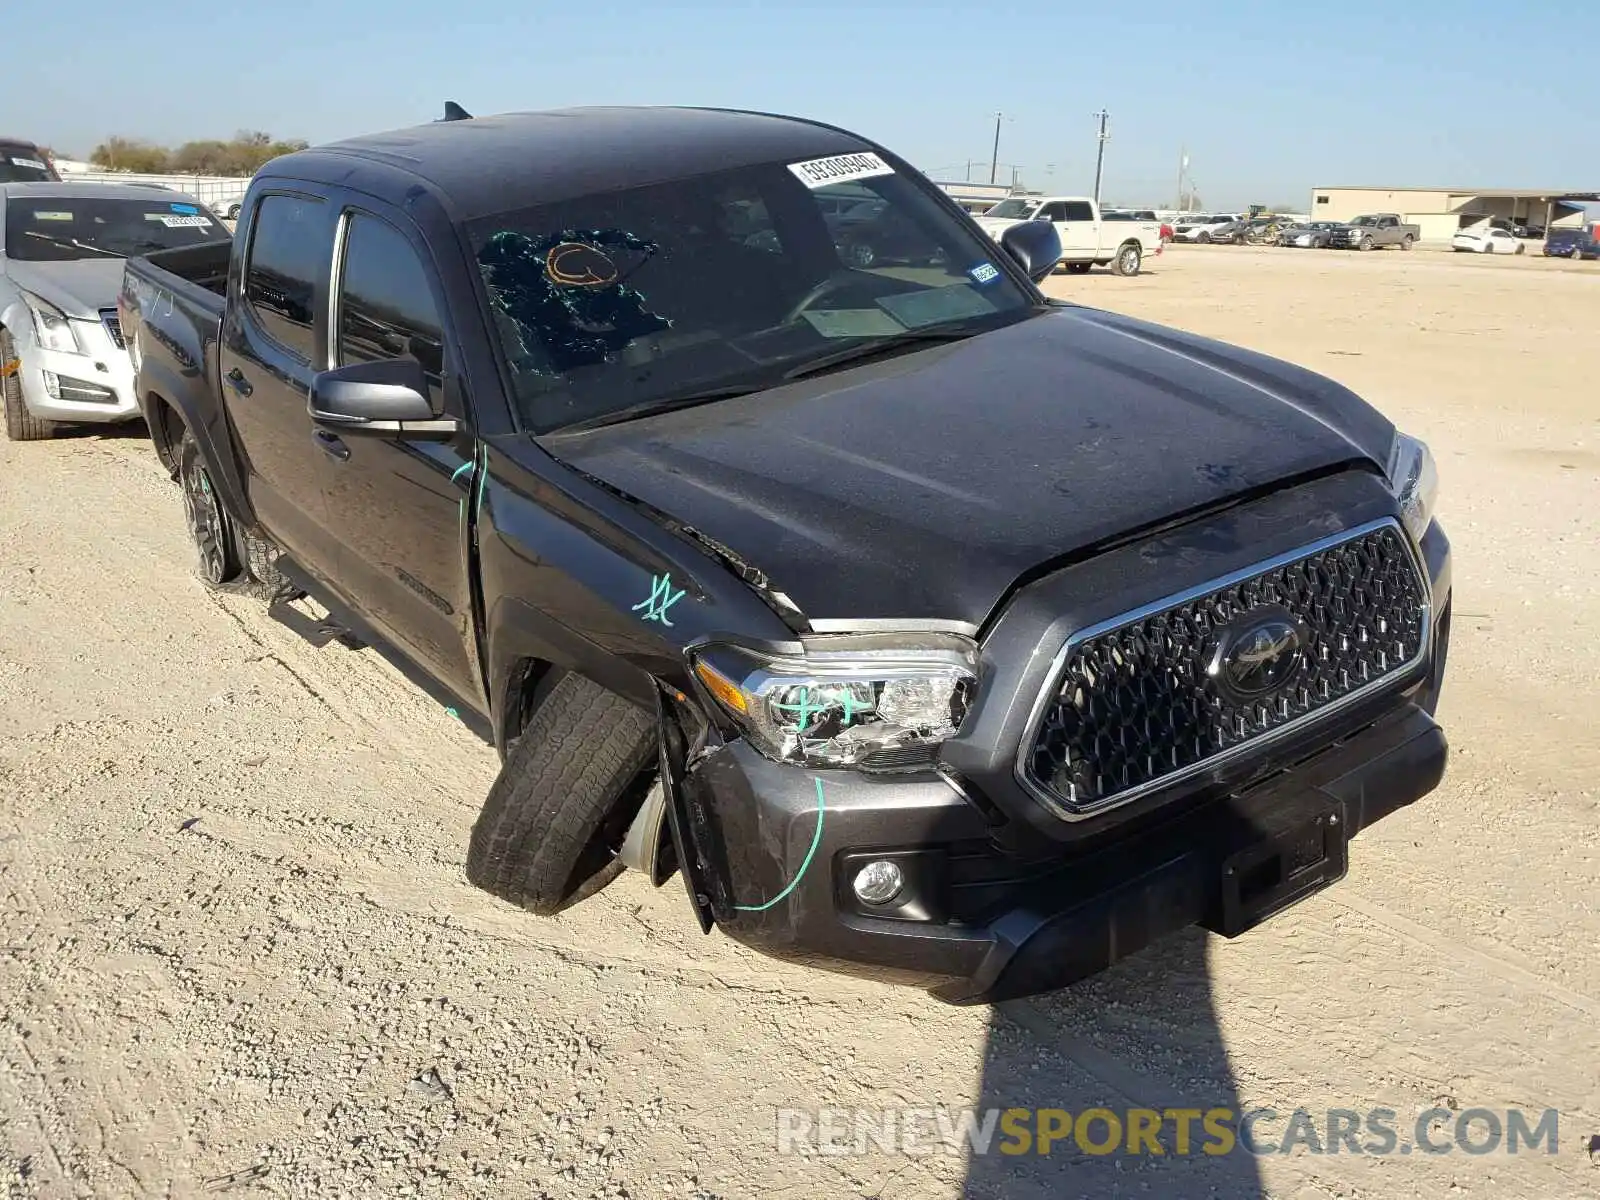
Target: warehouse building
975, 197
1442, 212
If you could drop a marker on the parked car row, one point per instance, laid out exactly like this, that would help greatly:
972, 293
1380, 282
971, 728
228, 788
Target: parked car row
902, 610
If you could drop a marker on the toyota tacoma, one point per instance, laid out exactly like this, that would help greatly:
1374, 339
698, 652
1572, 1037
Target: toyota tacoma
929, 629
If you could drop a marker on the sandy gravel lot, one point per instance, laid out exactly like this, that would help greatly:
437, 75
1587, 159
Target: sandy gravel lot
299, 995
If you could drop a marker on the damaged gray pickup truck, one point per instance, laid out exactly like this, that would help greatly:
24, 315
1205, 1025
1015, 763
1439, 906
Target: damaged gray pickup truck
932, 630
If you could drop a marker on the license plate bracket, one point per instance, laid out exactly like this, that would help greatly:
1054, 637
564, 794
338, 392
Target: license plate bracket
1283, 868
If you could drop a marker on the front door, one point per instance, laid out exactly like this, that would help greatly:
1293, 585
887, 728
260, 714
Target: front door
266, 359
400, 509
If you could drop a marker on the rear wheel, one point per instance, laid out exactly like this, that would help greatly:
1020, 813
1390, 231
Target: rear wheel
1128, 260
230, 559
550, 831
1405, 242
21, 425
861, 255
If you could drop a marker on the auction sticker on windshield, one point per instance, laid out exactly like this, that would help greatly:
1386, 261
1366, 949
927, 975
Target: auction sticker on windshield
29, 162
172, 222
841, 168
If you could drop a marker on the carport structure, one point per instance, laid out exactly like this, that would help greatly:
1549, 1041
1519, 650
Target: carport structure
1442, 212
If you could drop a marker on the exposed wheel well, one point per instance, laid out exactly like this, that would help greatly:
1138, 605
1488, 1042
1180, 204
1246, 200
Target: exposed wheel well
166, 428
526, 686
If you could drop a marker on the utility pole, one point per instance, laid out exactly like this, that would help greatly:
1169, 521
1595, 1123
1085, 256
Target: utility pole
1100, 157
1183, 163
994, 160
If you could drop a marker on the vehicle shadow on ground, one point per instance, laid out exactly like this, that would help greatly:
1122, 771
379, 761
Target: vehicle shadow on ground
118, 432
1143, 1035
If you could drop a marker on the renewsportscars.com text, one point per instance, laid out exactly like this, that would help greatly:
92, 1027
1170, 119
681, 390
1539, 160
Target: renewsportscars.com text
1170, 1131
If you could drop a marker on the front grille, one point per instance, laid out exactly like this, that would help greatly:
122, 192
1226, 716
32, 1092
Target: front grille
1132, 706
113, 325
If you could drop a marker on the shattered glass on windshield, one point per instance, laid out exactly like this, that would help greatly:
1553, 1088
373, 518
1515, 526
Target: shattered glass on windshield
570, 292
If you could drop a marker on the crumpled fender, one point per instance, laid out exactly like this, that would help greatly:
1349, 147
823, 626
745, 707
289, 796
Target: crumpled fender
683, 735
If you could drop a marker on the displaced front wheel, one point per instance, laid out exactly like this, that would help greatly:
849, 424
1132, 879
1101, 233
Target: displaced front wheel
549, 833
21, 425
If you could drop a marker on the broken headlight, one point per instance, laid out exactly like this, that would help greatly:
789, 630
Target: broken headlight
1415, 482
880, 702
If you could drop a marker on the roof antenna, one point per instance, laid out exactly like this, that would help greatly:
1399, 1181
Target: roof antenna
454, 112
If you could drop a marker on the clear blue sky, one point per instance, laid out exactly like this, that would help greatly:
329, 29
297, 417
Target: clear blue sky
1268, 103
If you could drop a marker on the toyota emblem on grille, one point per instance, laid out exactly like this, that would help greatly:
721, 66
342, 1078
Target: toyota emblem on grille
1258, 653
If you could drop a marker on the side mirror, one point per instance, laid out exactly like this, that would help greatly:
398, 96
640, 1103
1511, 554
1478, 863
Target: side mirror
388, 398
1035, 245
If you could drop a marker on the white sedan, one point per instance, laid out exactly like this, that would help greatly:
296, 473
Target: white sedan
1487, 241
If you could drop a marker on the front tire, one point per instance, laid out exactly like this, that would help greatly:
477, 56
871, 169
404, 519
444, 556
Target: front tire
1366, 242
21, 425
1203, 239
1128, 260
549, 832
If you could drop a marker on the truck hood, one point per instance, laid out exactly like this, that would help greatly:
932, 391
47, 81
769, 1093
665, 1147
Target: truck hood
995, 225
79, 288
923, 486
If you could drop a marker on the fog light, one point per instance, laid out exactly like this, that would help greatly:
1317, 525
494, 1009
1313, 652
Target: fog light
878, 882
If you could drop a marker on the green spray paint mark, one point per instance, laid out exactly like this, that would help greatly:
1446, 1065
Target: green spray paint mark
660, 599
461, 470
805, 865
807, 709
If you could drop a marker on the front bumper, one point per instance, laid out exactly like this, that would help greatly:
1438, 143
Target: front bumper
104, 368
985, 916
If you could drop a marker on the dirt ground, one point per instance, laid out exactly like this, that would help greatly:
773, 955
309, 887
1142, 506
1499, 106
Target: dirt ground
298, 993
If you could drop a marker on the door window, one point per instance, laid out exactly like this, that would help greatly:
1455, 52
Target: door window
287, 252
1054, 212
1078, 210
386, 307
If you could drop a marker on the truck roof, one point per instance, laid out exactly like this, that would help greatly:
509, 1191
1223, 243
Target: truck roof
491, 164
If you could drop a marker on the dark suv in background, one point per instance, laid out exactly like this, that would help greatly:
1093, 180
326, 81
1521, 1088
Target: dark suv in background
1571, 243
25, 162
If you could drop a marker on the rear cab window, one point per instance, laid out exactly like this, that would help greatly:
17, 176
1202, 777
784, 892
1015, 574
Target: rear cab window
608, 302
288, 251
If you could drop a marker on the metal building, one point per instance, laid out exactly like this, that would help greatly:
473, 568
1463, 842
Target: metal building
1442, 212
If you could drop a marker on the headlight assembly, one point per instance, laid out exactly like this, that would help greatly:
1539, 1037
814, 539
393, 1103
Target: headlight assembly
51, 326
1414, 481
879, 703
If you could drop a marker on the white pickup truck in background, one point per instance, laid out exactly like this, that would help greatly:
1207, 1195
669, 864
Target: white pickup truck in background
1087, 238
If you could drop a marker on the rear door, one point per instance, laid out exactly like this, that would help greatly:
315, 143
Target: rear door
399, 508
270, 348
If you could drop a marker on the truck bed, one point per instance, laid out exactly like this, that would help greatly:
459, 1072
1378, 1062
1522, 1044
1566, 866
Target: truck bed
197, 273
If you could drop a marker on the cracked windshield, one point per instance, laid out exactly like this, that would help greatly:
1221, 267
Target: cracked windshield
626, 303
